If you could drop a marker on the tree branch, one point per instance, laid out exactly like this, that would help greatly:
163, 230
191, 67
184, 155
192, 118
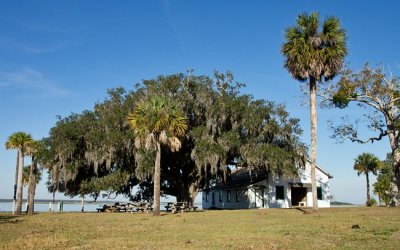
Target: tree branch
382, 134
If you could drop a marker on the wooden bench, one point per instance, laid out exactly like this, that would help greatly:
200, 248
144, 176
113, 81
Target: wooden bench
104, 208
120, 209
178, 206
194, 208
169, 206
302, 204
145, 208
112, 208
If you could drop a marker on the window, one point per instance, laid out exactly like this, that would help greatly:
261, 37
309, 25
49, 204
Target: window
220, 195
319, 193
228, 196
206, 196
280, 192
237, 195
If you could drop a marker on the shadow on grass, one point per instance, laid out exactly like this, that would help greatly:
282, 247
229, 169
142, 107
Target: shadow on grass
4, 218
306, 210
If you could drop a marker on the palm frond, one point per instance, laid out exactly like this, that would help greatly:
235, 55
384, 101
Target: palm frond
311, 52
158, 119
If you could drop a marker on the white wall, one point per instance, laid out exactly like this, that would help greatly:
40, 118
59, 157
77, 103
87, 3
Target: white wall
249, 199
224, 203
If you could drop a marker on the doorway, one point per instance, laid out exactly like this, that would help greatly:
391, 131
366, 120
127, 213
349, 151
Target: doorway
299, 194
259, 198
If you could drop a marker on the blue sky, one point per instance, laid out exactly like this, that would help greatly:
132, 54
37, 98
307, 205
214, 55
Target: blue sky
58, 57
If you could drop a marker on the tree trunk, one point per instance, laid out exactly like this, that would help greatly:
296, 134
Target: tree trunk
395, 180
52, 202
193, 191
313, 156
15, 184
26, 203
83, 204
18, 209
32, 186
368, 194
156, 180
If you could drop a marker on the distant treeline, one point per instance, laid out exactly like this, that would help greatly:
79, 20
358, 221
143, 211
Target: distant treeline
339, 203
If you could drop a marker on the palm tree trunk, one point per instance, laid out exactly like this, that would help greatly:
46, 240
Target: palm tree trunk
157, 178
15, 184
313, 156
368, 194
32, 186
19, 185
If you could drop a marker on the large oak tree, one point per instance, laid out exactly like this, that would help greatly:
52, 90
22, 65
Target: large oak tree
93, 152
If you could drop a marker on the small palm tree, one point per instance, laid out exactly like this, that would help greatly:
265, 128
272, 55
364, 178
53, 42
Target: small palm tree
21, 142
31, 177
364, 164
158, 121
26, 175
314, 54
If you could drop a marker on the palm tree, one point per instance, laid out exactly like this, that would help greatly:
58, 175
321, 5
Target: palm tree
34, 174
31, 177
313, 54
26, 175
157, 121
19, 141
364, 164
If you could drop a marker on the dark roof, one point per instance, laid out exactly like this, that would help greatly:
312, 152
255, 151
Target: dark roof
242, 178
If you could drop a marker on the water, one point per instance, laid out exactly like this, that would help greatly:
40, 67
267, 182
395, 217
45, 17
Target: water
44, 207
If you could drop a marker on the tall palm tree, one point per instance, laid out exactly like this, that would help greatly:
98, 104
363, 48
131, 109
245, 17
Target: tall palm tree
15, 180
21, 142
158, 121
364, 164
313, 54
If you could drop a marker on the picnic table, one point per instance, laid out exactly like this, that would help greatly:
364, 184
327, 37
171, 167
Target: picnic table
117, 207
139, 206
175, 207
126, 207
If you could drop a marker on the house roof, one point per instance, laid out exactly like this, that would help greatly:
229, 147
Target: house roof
325, 172
242, 177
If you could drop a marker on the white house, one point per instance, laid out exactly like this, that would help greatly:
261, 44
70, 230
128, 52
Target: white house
262, 190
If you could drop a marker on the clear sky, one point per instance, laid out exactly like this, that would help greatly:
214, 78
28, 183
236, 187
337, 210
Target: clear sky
58, 57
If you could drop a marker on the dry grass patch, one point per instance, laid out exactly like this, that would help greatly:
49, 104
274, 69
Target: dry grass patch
236, 229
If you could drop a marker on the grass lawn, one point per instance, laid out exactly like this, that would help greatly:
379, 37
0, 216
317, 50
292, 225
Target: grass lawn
234, 229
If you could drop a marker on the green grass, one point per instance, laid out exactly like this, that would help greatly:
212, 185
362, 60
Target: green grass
235, 229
